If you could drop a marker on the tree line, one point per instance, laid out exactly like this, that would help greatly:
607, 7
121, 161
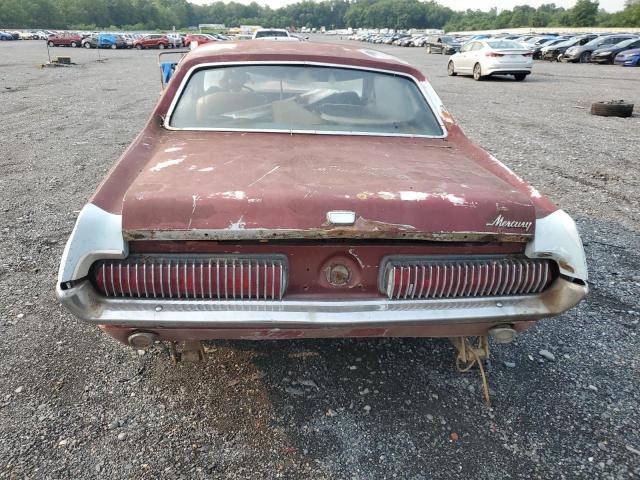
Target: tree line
333, 14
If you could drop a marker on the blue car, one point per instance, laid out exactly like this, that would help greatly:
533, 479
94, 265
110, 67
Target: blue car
6, 36
628, 58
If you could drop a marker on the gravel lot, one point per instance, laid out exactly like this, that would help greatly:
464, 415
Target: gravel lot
76, 404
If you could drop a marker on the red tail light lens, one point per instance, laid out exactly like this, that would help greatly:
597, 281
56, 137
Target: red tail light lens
494, 54
258, 277
416, 278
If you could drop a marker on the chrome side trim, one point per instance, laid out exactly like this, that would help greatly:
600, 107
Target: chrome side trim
556, 237
96, 235
83, 302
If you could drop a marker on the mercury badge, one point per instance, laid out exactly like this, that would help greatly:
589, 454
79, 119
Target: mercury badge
502, 222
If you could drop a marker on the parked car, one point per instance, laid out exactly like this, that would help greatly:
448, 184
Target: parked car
444, 44
175, 39
65, 39
153, 40
556, 52
201, 38
199, 231
274, 34
483, 58
4, 36
628, 58
550, 42
608, 54
582, 53
104, 40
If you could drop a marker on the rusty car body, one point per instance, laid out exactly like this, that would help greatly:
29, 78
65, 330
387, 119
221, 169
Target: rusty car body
314, 223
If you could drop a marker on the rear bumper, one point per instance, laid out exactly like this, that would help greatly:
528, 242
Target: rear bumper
83, 301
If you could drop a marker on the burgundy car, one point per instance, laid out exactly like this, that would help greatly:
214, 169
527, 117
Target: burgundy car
153, 41
312, 190
65, 39
200, 38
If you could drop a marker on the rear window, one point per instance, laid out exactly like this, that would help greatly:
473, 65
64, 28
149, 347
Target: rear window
504, 44
271, 33
303, 98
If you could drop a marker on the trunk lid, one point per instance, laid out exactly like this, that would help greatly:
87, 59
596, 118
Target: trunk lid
208, 185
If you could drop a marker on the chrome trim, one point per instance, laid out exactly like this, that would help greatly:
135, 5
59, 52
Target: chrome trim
512, 276
427, 97
83, 301
104, 275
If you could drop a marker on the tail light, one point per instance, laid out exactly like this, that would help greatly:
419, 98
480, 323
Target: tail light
494, 54
415, 278
225, 277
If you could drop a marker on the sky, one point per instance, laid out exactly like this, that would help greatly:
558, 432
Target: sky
609, 5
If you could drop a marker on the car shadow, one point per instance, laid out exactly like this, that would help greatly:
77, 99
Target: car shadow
344, 404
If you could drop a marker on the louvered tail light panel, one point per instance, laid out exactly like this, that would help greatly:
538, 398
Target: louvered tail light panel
430, 278
224, 277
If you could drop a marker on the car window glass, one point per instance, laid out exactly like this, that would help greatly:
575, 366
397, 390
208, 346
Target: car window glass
477, 46
303, 98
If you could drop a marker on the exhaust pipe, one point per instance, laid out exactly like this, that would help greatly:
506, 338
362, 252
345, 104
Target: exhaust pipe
502, 334
142, 340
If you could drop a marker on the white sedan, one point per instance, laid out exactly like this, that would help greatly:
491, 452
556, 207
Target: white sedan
482, 58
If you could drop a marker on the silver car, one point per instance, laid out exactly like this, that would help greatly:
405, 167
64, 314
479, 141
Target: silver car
482, 58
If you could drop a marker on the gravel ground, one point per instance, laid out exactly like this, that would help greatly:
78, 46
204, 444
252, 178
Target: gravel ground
76, 404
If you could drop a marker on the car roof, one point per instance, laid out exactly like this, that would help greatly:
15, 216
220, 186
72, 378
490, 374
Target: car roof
255, 51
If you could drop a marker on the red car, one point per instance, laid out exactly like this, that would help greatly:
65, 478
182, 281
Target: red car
153, 41
65, 39
200, 38
313, 191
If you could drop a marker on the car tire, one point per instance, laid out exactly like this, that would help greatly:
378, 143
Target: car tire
87, 45
443, 51
559, 58
161, 46
428, 48
138, 47
74, 44
451, 69
520, 76
585, 57
477, 72
51, 44
113, 47
618, 108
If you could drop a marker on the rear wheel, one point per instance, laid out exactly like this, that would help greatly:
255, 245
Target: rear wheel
139, 47
87, 45
559, 57
520, 76
428, 48
161, 46
114, 46
451, 69
51, 44
74, 44
585, 57
477, 72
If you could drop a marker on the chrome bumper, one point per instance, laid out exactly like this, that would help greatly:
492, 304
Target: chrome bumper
83, 301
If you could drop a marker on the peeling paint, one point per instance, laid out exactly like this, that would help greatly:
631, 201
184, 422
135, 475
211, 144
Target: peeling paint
411, 196
166, 163
173, 149
237, 225
237, 195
